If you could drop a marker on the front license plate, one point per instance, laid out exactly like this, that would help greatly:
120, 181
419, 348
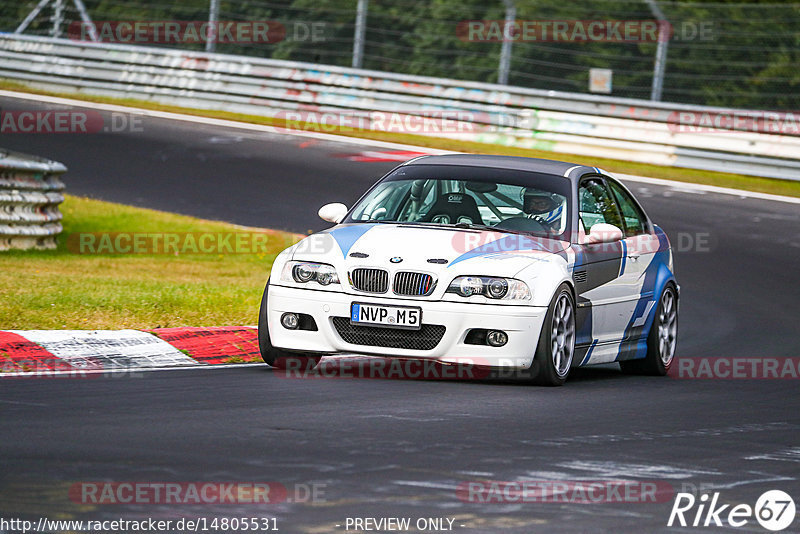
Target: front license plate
390, 316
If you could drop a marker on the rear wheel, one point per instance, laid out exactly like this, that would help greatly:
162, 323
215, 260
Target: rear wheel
661, 340
276, 357
556, 347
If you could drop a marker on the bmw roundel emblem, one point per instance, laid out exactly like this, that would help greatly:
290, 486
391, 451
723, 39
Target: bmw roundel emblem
396, 259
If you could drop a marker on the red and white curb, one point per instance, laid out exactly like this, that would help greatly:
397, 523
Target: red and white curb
55, 352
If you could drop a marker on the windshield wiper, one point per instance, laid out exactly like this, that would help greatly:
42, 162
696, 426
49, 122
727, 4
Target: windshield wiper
459, 225
473, 226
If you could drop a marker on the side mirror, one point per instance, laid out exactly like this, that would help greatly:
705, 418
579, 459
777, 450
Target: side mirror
333, 212
603, 233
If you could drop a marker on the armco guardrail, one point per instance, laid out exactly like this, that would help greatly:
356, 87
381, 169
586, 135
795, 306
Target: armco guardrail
632, 130
30, 192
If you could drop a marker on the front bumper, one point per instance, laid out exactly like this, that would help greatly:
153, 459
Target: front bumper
522, 324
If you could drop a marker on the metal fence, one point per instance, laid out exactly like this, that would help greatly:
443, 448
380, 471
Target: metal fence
630, 130
740, 54
30, 192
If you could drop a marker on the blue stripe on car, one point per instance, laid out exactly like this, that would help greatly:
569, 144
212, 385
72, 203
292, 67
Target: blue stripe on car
510, 243
346, 236
589, 353
584, 326
656, 277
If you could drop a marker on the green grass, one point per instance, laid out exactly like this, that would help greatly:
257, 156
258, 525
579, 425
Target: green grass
736, 181
62, 289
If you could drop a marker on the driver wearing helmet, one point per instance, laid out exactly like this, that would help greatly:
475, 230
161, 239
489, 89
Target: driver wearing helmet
542, 207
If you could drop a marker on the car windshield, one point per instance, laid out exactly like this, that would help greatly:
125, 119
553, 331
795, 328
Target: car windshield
470, 197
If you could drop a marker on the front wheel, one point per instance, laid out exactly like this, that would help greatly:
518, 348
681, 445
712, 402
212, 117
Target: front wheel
556, 347
661, 340
276, 357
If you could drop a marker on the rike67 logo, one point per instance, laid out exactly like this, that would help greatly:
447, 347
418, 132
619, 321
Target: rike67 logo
774, 510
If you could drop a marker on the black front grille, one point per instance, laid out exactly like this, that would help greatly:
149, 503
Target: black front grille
426, 338
413, 284
370, 280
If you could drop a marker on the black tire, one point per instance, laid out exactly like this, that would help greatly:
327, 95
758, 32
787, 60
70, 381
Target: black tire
276, 357
656, 362
543, 370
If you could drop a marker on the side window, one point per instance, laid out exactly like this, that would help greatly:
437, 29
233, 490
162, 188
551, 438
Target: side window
632, 215
597, 205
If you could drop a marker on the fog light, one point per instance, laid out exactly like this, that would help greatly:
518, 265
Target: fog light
290, 321
496, 338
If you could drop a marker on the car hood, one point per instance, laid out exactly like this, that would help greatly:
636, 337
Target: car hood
427, 248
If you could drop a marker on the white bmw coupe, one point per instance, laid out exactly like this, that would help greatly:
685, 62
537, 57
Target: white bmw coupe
503, 262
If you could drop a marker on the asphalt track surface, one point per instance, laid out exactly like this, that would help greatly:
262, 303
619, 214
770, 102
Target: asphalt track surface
400, 448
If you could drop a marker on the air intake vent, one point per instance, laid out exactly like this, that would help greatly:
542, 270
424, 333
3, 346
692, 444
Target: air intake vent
426, 338
370, 280
580, 277
439, 261
413, 284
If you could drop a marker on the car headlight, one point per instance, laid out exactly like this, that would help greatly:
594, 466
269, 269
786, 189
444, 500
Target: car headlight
490, 286
306, 271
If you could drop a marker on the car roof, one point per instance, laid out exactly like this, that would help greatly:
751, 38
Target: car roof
545, 166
